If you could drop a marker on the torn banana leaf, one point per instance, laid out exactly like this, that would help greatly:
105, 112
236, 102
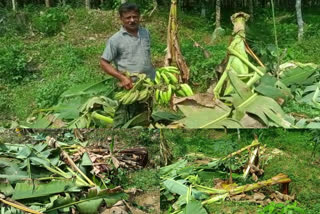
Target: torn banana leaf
36, 189
294, 73
271, 87
5, 187
311, 95
171, 170
179, 188
92, 202
89, 89
197, 116
10, 170
265, 108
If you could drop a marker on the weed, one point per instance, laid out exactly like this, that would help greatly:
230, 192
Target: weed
281, 208
13, 60
50, 22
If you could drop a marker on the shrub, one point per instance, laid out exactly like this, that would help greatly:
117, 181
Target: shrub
13, 60
51, 21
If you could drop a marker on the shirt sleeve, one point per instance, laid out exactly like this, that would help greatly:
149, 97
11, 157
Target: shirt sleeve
110, 52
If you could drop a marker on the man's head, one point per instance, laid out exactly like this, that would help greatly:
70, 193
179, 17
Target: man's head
130, 16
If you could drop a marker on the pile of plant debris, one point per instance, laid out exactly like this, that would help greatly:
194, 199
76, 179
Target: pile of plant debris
181, 188
50, 176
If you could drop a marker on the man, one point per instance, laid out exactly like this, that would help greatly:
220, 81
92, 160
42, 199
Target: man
129, 50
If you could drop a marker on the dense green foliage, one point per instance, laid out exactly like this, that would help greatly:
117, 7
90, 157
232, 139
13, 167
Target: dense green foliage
51, 21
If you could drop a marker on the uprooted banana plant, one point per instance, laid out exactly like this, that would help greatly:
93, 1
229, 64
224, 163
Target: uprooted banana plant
181, 179
238, 60
236, 86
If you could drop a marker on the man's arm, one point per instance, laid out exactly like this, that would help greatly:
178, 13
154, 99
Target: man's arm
125, 81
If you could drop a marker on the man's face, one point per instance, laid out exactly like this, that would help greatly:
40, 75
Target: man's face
130, 20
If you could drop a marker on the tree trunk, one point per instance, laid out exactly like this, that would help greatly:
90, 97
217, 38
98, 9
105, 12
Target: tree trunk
299, 19
251, 9
218, 14
47, 3
88, 4
14, 5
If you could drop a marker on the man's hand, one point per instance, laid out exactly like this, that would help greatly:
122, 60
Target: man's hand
126, 82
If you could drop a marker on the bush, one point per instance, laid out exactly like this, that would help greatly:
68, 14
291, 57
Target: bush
203, 69
13, 60
48, 95
51, 21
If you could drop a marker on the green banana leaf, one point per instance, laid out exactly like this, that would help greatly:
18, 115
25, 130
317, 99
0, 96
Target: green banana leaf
311, 95
10, 170
299, 75
271, 87
6, 188
265, 108
179, 188
36, 189
171, 170
197, 116
89, 88
194, 207
92, 202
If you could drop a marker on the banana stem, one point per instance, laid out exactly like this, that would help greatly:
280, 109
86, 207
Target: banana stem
237, 54
20, 207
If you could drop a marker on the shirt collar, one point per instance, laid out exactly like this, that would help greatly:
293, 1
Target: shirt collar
124, 31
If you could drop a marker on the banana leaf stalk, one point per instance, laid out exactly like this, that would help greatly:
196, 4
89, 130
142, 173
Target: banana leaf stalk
69, 160
254, 143
20, 207
279, 179
251, 162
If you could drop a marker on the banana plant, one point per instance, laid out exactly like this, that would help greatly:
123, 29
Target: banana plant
238, 60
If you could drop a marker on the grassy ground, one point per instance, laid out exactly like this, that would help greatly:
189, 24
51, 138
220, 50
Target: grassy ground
295, 160
70, 57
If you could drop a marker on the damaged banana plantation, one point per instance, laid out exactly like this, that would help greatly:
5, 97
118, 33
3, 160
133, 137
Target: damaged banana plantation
74, 173
160, 107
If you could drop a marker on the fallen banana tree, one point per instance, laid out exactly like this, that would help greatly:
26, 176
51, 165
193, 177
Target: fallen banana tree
180, 181
51, 176
245, 95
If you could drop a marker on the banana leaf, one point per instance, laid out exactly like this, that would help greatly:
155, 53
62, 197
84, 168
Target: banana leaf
197, 116
194, 207
311, 95
172, 169
10, 170
271, 87
298, 75
265, 108
179, 188
89, 89
36, 189
6, 188
110, 196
